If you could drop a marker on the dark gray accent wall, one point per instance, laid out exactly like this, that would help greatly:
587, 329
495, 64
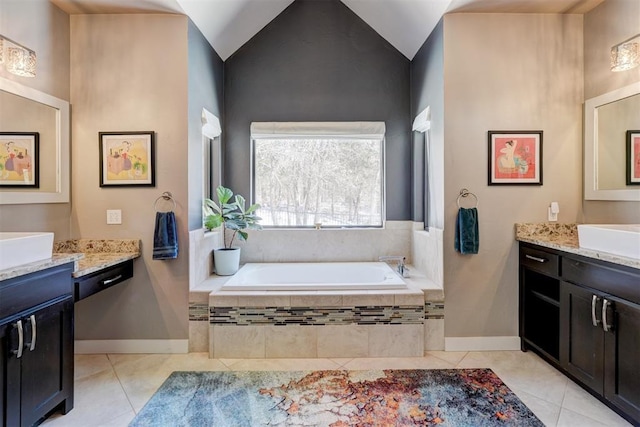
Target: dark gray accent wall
318, 61
205, 74
427, 89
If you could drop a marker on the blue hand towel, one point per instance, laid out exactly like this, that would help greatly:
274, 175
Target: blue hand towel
467, 239
165, 238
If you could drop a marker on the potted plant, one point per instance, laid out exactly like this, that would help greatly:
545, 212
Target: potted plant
233, 216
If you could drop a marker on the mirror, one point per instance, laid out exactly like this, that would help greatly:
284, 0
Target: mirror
24, 109
607, 119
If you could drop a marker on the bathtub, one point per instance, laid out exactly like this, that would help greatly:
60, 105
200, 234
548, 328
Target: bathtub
314, 277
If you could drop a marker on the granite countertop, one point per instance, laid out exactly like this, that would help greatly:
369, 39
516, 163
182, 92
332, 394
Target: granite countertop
32, 267
98, 254
88, 255
564, 237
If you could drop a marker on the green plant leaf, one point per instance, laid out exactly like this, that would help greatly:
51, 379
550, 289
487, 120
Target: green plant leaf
232, 224
211, 206
231, 215
253, 208
240, 203
224, 194
212, 221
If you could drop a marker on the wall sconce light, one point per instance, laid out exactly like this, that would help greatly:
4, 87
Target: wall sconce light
16, 58
626, 55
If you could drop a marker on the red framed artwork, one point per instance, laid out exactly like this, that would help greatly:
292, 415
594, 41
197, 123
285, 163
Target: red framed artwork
515, 157
633, 157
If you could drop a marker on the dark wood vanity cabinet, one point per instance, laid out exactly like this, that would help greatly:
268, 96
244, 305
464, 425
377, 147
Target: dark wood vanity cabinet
98, 281
598, 324
36, 345
540, 302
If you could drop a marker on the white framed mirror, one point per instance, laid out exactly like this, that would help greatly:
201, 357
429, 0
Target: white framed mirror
25, 109
607, 118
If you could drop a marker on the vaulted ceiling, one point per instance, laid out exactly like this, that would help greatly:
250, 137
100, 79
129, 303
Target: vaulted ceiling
406, 24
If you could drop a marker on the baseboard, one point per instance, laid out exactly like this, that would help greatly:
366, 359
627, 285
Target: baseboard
481, 343
131, 346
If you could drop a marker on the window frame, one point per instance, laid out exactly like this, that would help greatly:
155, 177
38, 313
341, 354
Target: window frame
383, 175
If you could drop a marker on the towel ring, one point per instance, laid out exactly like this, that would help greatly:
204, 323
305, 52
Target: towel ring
465, 193
167, 196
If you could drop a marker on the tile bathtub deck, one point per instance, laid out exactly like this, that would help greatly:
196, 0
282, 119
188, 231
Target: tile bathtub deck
111, 388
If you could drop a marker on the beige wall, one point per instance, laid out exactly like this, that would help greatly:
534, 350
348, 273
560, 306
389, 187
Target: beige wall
610, 23
18, 19
506, 72
129, 73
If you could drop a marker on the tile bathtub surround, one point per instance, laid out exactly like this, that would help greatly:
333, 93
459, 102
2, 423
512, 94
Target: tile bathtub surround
426, 253
296, 341
318, 316
328, 245
198, 312
433, 310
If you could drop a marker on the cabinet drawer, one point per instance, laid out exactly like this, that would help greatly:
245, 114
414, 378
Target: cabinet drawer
23, 292
541, 261
617, 281
99, 281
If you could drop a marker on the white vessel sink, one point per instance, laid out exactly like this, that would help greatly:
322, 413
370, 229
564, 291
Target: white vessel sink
618, 239
23, 248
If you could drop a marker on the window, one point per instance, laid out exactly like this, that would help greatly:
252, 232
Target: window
422, 124
306, 174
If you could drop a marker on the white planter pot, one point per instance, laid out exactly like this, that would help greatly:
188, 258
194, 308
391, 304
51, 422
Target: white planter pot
226, 261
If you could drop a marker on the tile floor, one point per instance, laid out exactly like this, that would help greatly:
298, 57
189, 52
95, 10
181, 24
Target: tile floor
111, 388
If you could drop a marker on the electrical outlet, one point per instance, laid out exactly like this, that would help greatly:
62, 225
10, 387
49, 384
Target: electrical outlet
114, 216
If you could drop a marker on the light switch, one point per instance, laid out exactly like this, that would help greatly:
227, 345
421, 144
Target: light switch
553, 211
114, 216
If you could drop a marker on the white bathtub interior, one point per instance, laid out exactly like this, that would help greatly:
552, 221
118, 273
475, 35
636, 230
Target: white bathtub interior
314, 276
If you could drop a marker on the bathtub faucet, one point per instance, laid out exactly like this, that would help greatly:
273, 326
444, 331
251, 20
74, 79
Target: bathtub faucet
402, 270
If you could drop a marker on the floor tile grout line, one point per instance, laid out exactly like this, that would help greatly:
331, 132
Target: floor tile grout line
115, 372
469, 358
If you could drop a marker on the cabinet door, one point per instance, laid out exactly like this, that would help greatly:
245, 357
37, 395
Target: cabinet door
9, 374
582, 342
622, 357
47, 366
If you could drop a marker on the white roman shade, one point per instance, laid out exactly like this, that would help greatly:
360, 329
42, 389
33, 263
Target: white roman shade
422, 122
297, 130
210, 125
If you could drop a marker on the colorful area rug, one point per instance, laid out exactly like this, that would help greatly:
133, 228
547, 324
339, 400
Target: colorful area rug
441, 397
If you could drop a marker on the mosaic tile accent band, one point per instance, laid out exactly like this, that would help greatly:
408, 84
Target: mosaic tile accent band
198, 312
317, 316
201, 312
433, 310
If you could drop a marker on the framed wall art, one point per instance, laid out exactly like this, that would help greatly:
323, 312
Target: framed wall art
633, 157
515, 157
19, 163
127, 159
